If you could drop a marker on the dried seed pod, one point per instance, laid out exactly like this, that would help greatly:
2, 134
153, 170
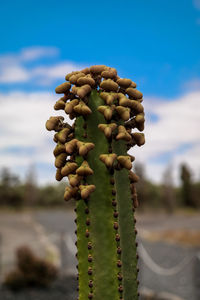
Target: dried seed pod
86, 190
86, 80
74, 179
82, 109
133, 93
133, 177
63, 88
84, 148
109, 73
123, 134
97, 69
124, 112
125, 161
107, 111
108, 159
124, 82
70, 105
54, 123
107, 128
71, 146
60, 160
69, 168
60, 104
84, 169
70, 192
109, 85
62, 135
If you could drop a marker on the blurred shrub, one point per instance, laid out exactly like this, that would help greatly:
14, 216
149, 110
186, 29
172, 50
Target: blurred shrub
31, 271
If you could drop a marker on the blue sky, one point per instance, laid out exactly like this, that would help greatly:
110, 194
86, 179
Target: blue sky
155, 43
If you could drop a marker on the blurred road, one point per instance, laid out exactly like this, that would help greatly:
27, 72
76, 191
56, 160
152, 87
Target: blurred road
165, 264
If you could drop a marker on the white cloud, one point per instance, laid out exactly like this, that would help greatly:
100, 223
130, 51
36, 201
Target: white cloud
178, 125
196, 4
22, 122
14, 67
33, 53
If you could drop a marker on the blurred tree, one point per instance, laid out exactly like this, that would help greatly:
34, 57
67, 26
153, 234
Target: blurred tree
10, 189
30, 187
186, 186
168, 191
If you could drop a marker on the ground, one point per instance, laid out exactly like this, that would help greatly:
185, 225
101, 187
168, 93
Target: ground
169, 249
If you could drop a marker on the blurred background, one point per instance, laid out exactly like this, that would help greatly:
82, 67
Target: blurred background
157, 45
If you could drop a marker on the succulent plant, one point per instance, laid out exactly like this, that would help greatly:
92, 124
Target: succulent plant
93, 154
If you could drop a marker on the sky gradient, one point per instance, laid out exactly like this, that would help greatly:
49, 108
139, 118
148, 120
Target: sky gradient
155, 43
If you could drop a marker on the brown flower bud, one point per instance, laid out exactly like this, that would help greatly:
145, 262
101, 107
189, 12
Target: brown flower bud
74, 179
124, 112
81, 91
69, 168
123, 134
70, 192
86, 71
82, 109
63, 88
86, 190
71, 146
108, 159
70, 74
60, 148
108, 97
133, 177
124, 82
109, 85
58, 176
125, 161
86, 80
74, 77
70, 105
109, 73
107, 128
107, 111
97, 69
136, 106
124, 101
84, 169
60, 104
135, 201
60, 160
139, 138
84, 148
62, 135
53, 123
133, 93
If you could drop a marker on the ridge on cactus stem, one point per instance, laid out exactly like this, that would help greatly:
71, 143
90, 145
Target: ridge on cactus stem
92, 153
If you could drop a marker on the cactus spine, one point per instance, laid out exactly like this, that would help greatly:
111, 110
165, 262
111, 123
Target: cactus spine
93, 154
